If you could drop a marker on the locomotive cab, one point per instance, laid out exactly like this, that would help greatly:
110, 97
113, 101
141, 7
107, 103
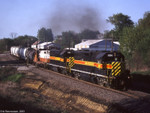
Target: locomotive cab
42, 56
114, 64
112, 56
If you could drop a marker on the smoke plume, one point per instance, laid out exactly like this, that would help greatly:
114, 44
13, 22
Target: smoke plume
73, 16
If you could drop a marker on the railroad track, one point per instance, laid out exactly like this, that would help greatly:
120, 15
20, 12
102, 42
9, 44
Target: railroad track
126, 100
125, 93
130, 93
18, 63
97, 91
92, 84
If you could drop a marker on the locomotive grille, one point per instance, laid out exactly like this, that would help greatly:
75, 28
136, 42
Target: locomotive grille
116, 68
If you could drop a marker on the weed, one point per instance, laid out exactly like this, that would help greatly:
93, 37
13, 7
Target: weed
142, 72
14, 78
7, 71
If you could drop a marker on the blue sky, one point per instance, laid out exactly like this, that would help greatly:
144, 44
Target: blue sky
25, 17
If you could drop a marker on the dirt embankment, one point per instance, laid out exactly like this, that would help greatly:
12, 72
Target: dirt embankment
12, 100
34, 95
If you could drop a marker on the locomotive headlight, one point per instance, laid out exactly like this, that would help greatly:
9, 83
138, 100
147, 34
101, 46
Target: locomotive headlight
110, 55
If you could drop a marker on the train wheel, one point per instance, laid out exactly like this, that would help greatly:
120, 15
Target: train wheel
54, 69
64, 72
33, 63
123, 85
93, 79
100, 81
76, 75
45, 66
113, 85
59, 70
49, 67
36, 64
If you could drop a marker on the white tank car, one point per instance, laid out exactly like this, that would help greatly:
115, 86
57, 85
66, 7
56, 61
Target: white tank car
14, 51
22, 53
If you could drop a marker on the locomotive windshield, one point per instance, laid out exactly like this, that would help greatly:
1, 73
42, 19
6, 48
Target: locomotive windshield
114, 56
110, 56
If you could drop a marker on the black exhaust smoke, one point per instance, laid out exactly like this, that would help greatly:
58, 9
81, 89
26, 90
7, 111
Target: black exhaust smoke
68, 15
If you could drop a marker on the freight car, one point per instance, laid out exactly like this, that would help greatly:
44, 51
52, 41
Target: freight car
14, 51
102, 67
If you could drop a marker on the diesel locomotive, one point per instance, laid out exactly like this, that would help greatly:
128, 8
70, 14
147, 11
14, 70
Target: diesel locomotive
102, 67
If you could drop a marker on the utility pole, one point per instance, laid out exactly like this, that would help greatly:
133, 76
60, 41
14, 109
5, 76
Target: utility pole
105, 44
69, 43
112, 44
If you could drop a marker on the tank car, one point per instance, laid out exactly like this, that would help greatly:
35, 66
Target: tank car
22, 53
19, 52
30, 54
14, 51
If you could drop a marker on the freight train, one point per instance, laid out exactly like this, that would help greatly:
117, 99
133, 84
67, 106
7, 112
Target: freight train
102, 67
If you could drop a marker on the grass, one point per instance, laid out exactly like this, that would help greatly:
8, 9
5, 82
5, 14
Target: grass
141, 76
14, 78
142, 72
7, 71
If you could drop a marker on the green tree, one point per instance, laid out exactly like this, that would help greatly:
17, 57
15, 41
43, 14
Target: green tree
135, 43
145, 22
69, 39
45, 35
24, 41
111, 34
5, 44
88, 34
143, 46
119, 21
107, 34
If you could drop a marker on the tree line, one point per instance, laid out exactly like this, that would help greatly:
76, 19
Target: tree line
67, 39
22, 41
134, 38
70, 38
